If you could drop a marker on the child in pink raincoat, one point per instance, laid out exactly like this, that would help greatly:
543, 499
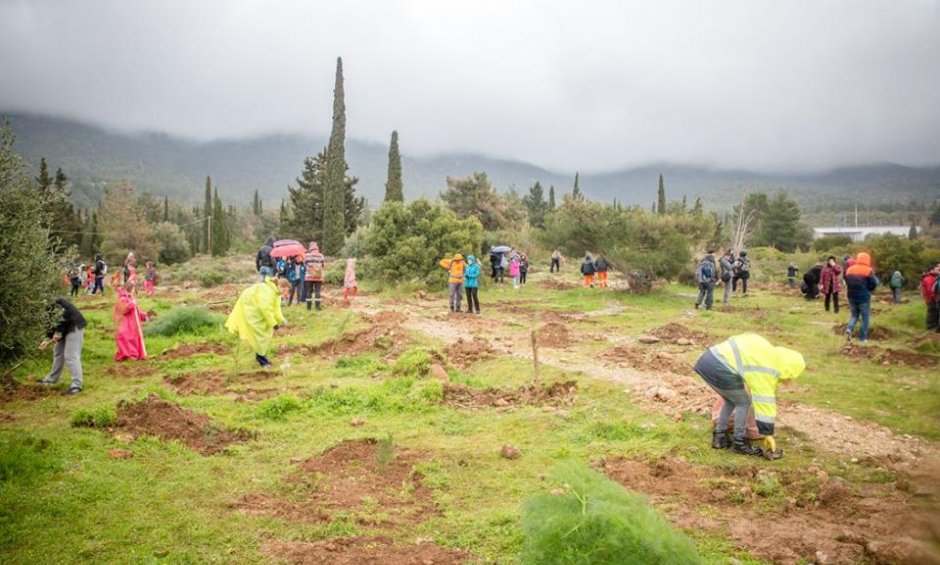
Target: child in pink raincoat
129, 336
514, 270
349, 279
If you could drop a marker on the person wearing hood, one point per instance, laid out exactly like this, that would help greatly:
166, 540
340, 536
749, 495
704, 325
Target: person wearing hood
256, 315
727, 266
929, 283
829, 283
515, 266
350, 286
601, 268
471, 283
313, 275
129, 336
896, 282
455, 267
588, 270
792, 271
745, 371
68, 335
742, 272
860, 281
706, 276
263, 261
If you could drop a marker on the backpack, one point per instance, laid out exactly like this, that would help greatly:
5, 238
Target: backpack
896, 279
103, 269
741, 267
706, 272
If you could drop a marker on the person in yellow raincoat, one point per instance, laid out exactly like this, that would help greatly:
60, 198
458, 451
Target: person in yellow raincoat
745, 371
255, 317
454, 268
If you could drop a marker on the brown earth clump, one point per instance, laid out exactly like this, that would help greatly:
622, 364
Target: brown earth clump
558, 284
890, 357
190, 349
554, 394
385, 333
818, 521
373, 480
646, 359
130, 369
679, 334
554, 335
875, 332
364, 551
466, 353
11, 390
156, 417
216, 383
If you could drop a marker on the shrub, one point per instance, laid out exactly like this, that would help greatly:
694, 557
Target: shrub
832, 243
413, 363
24, 459
101, 417
278, 408
598, 521
183, 320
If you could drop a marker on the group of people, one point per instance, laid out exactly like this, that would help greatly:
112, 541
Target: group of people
591, 268
503, 261
301, 275
728, 270
90, 278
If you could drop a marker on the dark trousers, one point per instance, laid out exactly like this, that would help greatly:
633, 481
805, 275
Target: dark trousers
495, 273
522, 275
933, 316
75, 287
298, 288
835, 301
473, 299
99, 284
734, 284
312, 289
556, 265
896, 294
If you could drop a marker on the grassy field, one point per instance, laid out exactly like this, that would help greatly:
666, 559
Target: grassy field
356, 434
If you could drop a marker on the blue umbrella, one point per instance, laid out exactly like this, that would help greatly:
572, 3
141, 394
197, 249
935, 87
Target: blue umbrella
501, 249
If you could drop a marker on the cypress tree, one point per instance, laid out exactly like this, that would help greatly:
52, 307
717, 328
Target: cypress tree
394, 190
912, 233
551, 198
256, 205
220, 242
43, 180
577, 188
334, 197
661, 197
206, 214
166, 208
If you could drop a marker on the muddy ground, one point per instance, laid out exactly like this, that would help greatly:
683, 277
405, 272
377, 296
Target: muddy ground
363, 551
554, 394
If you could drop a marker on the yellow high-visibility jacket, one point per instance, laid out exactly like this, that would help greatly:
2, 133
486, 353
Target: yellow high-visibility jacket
762, 366
255, 314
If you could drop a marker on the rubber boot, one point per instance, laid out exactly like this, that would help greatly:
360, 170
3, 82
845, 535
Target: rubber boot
744, 448
720, 440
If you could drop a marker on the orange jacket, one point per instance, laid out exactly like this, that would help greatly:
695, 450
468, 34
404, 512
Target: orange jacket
455, 267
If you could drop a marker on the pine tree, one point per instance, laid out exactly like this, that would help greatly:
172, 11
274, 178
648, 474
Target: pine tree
551, 197
536, 205
661, 197
206, 214
44, 181
334, 220
394, 190
284, 220
912, 233
697, 208
576, 193
166, 208
220, 243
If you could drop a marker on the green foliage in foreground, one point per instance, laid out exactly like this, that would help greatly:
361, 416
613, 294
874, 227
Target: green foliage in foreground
598, 521
24, 458
183, 320
101, 417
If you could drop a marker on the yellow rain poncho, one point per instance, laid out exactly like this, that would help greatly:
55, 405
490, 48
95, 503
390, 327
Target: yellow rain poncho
255, 314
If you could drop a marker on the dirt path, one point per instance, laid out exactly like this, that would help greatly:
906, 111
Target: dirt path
669, 392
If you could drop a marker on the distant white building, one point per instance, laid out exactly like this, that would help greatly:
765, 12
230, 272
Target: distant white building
860, 233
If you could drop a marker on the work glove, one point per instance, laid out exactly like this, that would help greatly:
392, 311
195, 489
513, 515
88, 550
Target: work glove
770, 444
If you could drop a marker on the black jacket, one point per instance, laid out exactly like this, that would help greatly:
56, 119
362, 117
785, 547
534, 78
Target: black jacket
263, 259
69, 318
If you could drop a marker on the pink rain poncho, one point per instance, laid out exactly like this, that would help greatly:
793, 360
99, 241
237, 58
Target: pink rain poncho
129, 335
255, 314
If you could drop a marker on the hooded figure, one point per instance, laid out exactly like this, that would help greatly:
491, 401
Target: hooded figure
129, 335
313, 277
830, 283
455, 267
256, 314
588, 270
745, 371
471, 278
263, 262
349, 279
860, 281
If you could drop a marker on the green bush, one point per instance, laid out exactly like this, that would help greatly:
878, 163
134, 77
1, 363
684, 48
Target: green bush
24, 458
101, 417
413, 363
183, 320
598, 521
835, 244
278, 408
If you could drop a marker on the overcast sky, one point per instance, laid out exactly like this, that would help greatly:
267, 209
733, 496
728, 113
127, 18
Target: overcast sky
567, 85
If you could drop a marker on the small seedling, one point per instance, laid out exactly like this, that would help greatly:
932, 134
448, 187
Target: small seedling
386, 451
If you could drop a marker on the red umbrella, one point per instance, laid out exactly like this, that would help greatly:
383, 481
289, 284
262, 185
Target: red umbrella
287, 248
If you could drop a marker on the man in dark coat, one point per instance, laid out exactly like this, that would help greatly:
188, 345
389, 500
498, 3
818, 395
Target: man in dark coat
68, 335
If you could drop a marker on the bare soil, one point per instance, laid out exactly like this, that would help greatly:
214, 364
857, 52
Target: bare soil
11, 390
156, 417
190, 349
888, 356
385, 333
130, 369
377, 484
363, 551
558, 284
554, 394
466, 353
874, 332
555, 335
216, 383
680, 335
785, 517
646, 359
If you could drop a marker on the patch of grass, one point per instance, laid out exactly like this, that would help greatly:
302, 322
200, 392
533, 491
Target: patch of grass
278, 407
358, 366
184, 321
101, 417
413, 363
24, 458
595, 520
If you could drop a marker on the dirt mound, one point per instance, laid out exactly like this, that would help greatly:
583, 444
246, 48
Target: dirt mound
216, 383
566, 317
646, 360
558, 284
679, 334
130, 369
373, 480
385, 334
11, 390
154, 416
363, 551
555, 335
678, 396
190, 349
555, 394
466, 353
816, 519
223, 292
892, 357
875, 332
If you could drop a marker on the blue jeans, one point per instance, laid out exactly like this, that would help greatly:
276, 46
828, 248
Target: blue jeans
99, 284
265, 272
859, 310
